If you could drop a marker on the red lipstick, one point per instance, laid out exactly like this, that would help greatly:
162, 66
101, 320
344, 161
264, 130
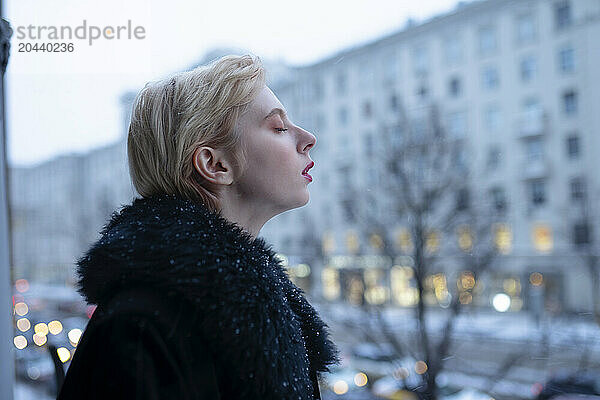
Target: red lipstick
305, 171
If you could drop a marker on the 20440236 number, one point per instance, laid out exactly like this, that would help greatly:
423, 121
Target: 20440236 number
46, 47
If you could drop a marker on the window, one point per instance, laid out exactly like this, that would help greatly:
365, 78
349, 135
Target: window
343, 115
502, 237
577, 188
345, 174
542, 237
494, 157
528, 68
492, 118
490, 78
454, 87
566, 60
535, 150
320, 122
366, 75
317, 91
420, 127
368, 144
532, 109
394, 102
367, 109
421, 60
460, 158
582, 233
498, 198
348, 210
390, 67
537, 192
487, 40
573, 147
526, 30
395, 136
341, 83
453, 50
457, 124
462, 199
562, 14
344, 145
570, 102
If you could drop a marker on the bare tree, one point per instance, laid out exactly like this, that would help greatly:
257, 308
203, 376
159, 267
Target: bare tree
429, 190
311, 248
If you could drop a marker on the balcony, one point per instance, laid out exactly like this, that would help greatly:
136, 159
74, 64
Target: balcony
532, 123
535, 169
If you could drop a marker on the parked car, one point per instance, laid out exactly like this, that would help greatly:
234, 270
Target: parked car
467, 394
567, 385
343, 380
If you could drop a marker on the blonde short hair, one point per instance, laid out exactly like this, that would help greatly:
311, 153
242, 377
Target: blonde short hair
174, 116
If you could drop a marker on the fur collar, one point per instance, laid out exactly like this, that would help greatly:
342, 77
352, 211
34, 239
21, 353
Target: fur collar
260, 322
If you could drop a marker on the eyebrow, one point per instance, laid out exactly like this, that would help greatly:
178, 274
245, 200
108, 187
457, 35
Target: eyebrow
276, 110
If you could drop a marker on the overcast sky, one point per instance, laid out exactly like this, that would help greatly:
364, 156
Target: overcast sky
69, 102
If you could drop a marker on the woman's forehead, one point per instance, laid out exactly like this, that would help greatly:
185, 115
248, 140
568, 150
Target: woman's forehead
266, 105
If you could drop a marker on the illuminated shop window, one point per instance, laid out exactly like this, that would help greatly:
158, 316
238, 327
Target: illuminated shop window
376, 241
328, 242
352, 242
376, 291
355, 290
432, 243
502, 238
330, 278
466, 284
436, 290
404, 291
542, 237
465, 238
404, 240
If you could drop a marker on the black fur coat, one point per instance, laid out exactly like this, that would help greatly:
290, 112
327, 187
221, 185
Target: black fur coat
190, 306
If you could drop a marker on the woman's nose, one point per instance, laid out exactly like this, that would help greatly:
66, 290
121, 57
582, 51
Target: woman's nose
307, 140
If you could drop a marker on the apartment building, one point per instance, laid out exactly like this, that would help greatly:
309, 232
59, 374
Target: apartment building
518, 81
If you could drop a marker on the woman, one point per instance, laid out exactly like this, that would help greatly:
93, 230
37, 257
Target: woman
191, 303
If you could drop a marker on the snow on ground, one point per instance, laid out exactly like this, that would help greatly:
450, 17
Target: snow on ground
516, 326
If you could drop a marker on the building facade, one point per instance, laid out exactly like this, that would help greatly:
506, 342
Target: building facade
518, 80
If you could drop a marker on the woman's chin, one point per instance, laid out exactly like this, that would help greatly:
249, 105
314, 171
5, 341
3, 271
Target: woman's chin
301, 201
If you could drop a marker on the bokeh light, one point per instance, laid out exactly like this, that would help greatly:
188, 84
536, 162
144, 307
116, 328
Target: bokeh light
360, 379
63, 353
40, 340
401, 373
21, 309
501, 302
23, 324
74, 336
536, 279
55, 327
33, 373
20, 342
22, 285
340, 387
41, 329
420, 367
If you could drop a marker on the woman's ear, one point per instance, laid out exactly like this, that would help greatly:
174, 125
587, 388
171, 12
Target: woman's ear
213, 166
